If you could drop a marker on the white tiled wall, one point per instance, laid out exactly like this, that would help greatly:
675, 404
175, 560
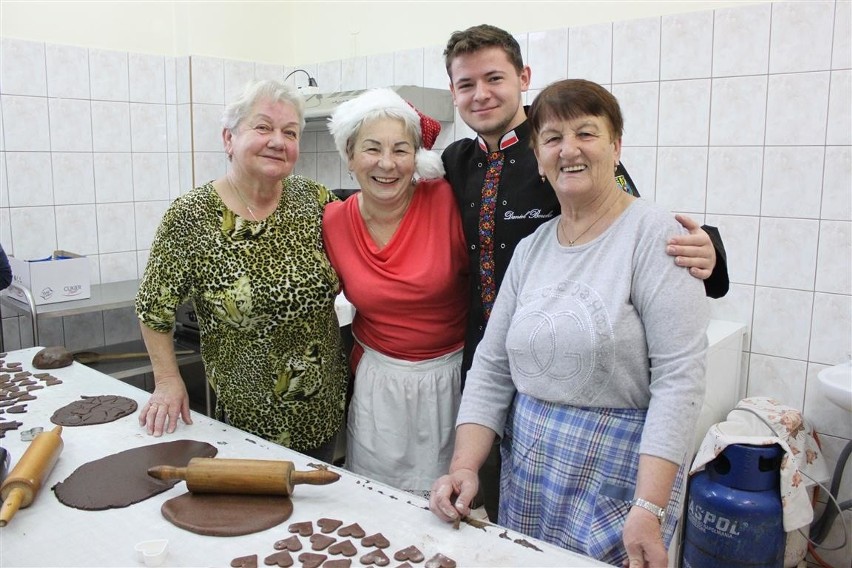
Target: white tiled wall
740, 117
88, 163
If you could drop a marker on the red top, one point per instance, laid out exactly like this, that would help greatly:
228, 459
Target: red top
410, 296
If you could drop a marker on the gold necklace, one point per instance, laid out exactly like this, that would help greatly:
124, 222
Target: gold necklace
242, 200
379, 240
586, 230
375, 232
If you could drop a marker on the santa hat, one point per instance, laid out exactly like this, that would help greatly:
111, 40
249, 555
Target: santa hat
350, 115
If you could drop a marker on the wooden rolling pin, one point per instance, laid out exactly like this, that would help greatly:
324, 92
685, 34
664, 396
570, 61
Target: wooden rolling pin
22, 485
252, 477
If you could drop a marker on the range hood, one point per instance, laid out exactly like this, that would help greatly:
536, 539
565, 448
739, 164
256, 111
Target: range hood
437, 103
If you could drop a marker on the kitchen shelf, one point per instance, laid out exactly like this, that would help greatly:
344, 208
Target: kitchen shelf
109, 296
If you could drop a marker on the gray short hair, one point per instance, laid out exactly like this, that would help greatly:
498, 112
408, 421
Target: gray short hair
266, 89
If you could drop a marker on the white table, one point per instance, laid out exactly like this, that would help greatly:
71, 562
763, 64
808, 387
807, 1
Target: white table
48, 533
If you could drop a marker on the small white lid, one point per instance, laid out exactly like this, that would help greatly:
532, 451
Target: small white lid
152, 552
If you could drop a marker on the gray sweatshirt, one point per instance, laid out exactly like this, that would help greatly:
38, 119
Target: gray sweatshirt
613, 323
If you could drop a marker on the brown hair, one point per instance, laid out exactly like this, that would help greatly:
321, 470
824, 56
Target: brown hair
479, 37
573, 98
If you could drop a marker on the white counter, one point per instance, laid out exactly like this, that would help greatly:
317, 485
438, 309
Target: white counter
50, 534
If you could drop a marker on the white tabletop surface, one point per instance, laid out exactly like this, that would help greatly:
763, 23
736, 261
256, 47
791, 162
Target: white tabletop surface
47, 533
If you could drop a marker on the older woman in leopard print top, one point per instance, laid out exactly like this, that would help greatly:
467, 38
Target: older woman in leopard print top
247, 249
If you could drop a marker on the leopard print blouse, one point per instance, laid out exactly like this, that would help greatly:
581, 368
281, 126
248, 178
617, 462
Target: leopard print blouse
264, 297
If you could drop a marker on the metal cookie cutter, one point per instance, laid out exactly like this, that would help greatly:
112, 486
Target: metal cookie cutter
29, 435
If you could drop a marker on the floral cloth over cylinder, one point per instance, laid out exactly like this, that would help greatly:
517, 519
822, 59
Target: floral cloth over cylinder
761, 421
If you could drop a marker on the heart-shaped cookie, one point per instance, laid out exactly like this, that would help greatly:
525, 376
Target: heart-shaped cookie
378, 540
338, 563
354, 530
282, 559
304, 529
376, 557
311, 559
245, 562
409, 553
321, 541
328, 525
404, 565
290, 543
440, 561
345, 547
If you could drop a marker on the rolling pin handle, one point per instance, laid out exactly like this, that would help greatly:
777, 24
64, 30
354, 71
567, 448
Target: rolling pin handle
167, 472
22, 485
314, 477
11, 505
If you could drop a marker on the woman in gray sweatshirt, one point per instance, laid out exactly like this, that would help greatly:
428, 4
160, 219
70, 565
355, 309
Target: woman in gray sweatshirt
591, 369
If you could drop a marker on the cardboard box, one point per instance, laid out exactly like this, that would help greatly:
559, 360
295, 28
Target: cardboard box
62, 277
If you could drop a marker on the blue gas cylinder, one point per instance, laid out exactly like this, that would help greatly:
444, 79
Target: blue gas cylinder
734, 515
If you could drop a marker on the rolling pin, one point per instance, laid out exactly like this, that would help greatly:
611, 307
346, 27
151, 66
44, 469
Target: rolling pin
22, 485
249, 477
89, 357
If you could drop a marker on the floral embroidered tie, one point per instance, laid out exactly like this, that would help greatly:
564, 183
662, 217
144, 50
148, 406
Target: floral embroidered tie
486, 232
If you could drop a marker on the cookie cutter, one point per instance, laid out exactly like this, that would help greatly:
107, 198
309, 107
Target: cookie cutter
29, 435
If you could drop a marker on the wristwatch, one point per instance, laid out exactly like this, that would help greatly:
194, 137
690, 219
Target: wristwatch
659, 512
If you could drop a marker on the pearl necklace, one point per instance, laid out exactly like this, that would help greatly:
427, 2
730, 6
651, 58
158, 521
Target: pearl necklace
586, 230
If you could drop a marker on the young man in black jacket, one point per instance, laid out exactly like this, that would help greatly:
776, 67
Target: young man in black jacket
503, 198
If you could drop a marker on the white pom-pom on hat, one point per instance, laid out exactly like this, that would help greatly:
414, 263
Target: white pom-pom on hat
428, 164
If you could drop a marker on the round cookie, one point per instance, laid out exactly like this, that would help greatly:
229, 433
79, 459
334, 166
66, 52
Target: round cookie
213, 514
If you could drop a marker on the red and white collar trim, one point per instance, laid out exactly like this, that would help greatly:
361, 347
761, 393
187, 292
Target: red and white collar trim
508, 139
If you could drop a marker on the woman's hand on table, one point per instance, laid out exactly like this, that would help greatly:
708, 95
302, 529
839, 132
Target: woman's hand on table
169, 401
452, 494
643, 540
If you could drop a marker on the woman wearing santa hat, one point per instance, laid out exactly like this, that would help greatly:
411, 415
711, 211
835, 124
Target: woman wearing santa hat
399, 250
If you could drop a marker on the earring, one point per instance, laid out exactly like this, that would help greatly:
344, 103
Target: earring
350, 174
615, 167
543, 179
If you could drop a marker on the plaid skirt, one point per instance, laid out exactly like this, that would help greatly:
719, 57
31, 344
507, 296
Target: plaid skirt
569, 475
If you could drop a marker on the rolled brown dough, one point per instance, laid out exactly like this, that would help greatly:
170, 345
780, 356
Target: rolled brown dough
122, 479
94, 410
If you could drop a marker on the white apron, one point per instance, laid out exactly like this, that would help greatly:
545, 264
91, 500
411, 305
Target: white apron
402, 419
